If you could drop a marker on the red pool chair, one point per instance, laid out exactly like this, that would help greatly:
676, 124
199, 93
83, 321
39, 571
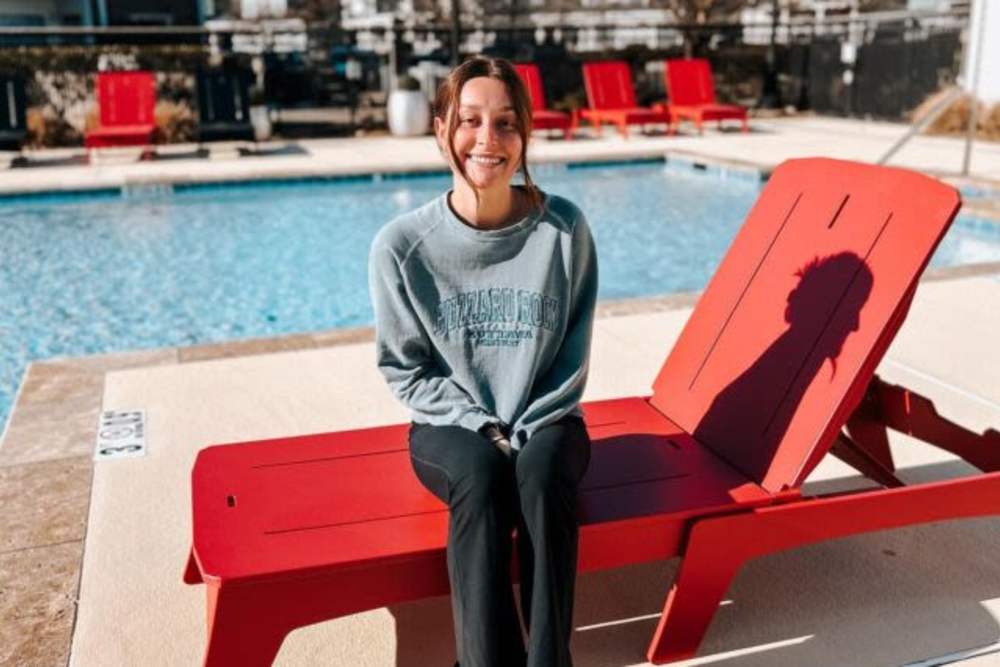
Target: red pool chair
126, 101
775, 362
544, 118
692, 94
611, 98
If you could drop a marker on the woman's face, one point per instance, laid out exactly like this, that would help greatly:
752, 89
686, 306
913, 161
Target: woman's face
486, 140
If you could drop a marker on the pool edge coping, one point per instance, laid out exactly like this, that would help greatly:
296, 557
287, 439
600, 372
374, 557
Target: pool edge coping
761, 169
318, 173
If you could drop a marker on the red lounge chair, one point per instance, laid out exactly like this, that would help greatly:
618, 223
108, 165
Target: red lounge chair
126, 101
692, 94
775, 360
544, 118
612, 99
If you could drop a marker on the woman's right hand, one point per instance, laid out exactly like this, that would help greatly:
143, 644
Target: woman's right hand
496, 437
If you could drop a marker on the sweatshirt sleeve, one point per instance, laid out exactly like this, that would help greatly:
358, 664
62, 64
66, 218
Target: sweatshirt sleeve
404, 355
557, 393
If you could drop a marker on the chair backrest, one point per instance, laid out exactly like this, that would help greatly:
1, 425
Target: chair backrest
787, 335
223, 96
609, 85
126, 98
533, 81
689, 81
12, 104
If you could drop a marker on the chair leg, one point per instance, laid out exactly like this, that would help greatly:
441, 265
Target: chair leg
718, 546
574, 122
705, 574
192, 575
905, 411
247, 622
859, 458
623, 129
242, 630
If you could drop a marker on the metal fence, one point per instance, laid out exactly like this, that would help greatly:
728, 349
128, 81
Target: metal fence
873, 65
879, 65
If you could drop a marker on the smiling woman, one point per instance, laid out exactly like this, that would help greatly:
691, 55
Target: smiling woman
484, 305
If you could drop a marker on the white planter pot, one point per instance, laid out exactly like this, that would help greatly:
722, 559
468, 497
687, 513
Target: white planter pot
408, 113
260, 118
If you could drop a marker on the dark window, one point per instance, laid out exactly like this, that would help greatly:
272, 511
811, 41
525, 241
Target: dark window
153, 12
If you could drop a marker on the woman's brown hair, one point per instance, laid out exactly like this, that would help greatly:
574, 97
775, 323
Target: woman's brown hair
446, 106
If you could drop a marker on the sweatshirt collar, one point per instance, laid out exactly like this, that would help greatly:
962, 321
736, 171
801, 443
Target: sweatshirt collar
489, 235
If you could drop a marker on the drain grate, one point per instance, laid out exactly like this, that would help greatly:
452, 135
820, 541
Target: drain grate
120, 434
147, 190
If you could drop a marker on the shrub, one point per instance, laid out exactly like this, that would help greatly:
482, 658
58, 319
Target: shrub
407, 82
46, 129
175, 123
955, 119
989, 123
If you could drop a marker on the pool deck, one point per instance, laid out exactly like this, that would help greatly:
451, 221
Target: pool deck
770, 141
91, 554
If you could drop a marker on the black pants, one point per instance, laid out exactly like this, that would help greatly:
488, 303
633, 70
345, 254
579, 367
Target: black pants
488, 495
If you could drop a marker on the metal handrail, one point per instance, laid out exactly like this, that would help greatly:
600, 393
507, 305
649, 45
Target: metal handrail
939, 108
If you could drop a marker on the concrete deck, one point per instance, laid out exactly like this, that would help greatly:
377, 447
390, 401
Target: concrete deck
884, 599
91, 555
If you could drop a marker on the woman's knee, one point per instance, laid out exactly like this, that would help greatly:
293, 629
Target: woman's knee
555, 458
484, 478
459, 466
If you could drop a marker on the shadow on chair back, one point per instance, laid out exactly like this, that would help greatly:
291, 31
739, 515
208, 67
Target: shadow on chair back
748, 419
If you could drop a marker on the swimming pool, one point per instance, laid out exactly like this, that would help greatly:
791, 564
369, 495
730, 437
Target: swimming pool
85, 274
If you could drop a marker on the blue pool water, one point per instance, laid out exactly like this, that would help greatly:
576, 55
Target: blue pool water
100, 273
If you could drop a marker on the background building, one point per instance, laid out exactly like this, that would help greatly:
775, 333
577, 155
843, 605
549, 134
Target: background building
105, 12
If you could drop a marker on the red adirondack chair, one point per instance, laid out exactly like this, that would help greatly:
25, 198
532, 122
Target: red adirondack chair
692, 94
775, 360
126, 101
544, 118
611, 98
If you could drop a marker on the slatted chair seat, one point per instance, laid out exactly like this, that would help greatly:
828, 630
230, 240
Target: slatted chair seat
121, 135
271, 515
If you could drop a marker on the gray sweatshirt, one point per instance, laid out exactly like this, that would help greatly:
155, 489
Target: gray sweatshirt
474, 326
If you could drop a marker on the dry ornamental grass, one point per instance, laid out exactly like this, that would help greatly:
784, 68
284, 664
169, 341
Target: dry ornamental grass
175, 122
955, 119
